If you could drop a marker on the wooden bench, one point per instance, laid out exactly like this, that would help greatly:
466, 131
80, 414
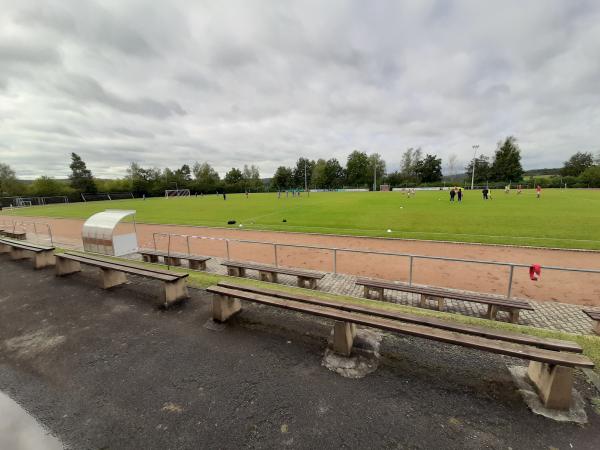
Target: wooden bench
19, 235
174, 259
114, 273
306, 279
42, 255
550, 371
595, 316
494, 303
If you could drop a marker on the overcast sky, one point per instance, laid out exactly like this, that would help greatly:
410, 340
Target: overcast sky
264, 82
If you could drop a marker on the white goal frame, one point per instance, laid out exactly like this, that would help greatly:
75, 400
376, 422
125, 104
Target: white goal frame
177, 193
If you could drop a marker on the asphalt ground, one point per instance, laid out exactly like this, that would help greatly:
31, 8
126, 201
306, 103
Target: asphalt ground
112, 370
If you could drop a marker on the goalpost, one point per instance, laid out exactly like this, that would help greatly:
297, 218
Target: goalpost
53, 200
177, 193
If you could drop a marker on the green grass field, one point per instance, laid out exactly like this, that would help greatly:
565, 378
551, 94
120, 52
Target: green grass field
561, 218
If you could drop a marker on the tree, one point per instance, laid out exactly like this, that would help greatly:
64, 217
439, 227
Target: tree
234, 176
318, 178
81, 177
334, 174
47, 187
507, 161
8, 181
429, 169
591, 176
577, 164
357, 169
482, 169
376, 166
207, 178
252, 179
410, 162
282, 178
298, 174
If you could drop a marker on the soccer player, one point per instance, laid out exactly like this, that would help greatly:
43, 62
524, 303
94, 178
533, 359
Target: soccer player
460, 194
538, 191
452, 194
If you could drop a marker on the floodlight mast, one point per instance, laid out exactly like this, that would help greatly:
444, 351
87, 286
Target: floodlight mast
475, 147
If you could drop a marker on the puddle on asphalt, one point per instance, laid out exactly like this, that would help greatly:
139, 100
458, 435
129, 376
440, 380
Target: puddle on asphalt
20, 431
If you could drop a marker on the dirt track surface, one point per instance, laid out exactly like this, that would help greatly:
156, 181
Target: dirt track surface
107, 369
565, 287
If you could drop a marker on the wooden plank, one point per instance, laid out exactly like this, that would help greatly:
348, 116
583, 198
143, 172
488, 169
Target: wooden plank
447, 293
134, 270
449, 337
174, 255
265, 268
550, 344
593, 314
26, 245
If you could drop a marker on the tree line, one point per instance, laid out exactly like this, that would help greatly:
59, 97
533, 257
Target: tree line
360, 170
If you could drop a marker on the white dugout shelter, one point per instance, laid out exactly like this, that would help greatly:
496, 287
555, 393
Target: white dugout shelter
99, 233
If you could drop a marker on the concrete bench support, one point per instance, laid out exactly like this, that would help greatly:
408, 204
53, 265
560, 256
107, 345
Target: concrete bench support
224, 307
492, 312
175, 290
19, 253
369, 290
43, 259
197, 265
5, 248
596, 326
112, 278
267, 276
236, 271
150, 258
440, 301
343, 337
172, 261
309, 283
66, 266
553, 383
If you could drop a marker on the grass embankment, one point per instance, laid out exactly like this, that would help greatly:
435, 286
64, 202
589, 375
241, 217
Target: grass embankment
589, 343
566, 218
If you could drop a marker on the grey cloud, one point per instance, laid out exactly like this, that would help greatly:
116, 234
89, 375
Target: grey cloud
264, 82
86, 89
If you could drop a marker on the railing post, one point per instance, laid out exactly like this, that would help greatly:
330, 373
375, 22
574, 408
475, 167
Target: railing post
510, 280
410, 270
154, 239
35, 231
187, 239
276, 259
227, 247
50, 234
169, 253
335, 261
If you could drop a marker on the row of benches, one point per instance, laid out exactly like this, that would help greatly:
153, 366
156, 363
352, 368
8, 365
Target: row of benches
551, 361
373, 289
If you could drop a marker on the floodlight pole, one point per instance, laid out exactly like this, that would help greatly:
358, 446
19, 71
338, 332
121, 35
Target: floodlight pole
475, 147
305, 182
375, 177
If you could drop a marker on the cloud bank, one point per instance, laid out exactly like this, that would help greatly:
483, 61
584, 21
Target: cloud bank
264, 82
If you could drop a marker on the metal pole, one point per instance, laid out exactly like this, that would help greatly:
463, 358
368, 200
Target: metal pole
276, 258
187, 238
334, 260
169, 252
305, 183
475, 147
227, 247
50, 233
410, 271
510, 280
374, 176
154, 239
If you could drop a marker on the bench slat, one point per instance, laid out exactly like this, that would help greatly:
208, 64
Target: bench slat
551, 344
128, 268
592, 314
173, 255
450, 337
26, 245
282, 270
446, 293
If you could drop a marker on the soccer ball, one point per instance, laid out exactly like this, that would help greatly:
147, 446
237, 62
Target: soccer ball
241, 225
389, 231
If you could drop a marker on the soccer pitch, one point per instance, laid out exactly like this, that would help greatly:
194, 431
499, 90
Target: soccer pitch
561, 218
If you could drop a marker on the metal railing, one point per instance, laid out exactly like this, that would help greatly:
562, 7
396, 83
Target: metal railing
335, 250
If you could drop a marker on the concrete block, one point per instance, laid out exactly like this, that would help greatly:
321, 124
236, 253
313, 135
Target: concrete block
175, 291
553, 384
44, 259
224, 307
66, 266
343, 337
110, 278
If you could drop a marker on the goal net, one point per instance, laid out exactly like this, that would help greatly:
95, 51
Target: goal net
177, 193
120, 195
94, 197
53, 200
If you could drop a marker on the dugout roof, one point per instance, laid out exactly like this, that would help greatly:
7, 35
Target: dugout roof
98, 233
